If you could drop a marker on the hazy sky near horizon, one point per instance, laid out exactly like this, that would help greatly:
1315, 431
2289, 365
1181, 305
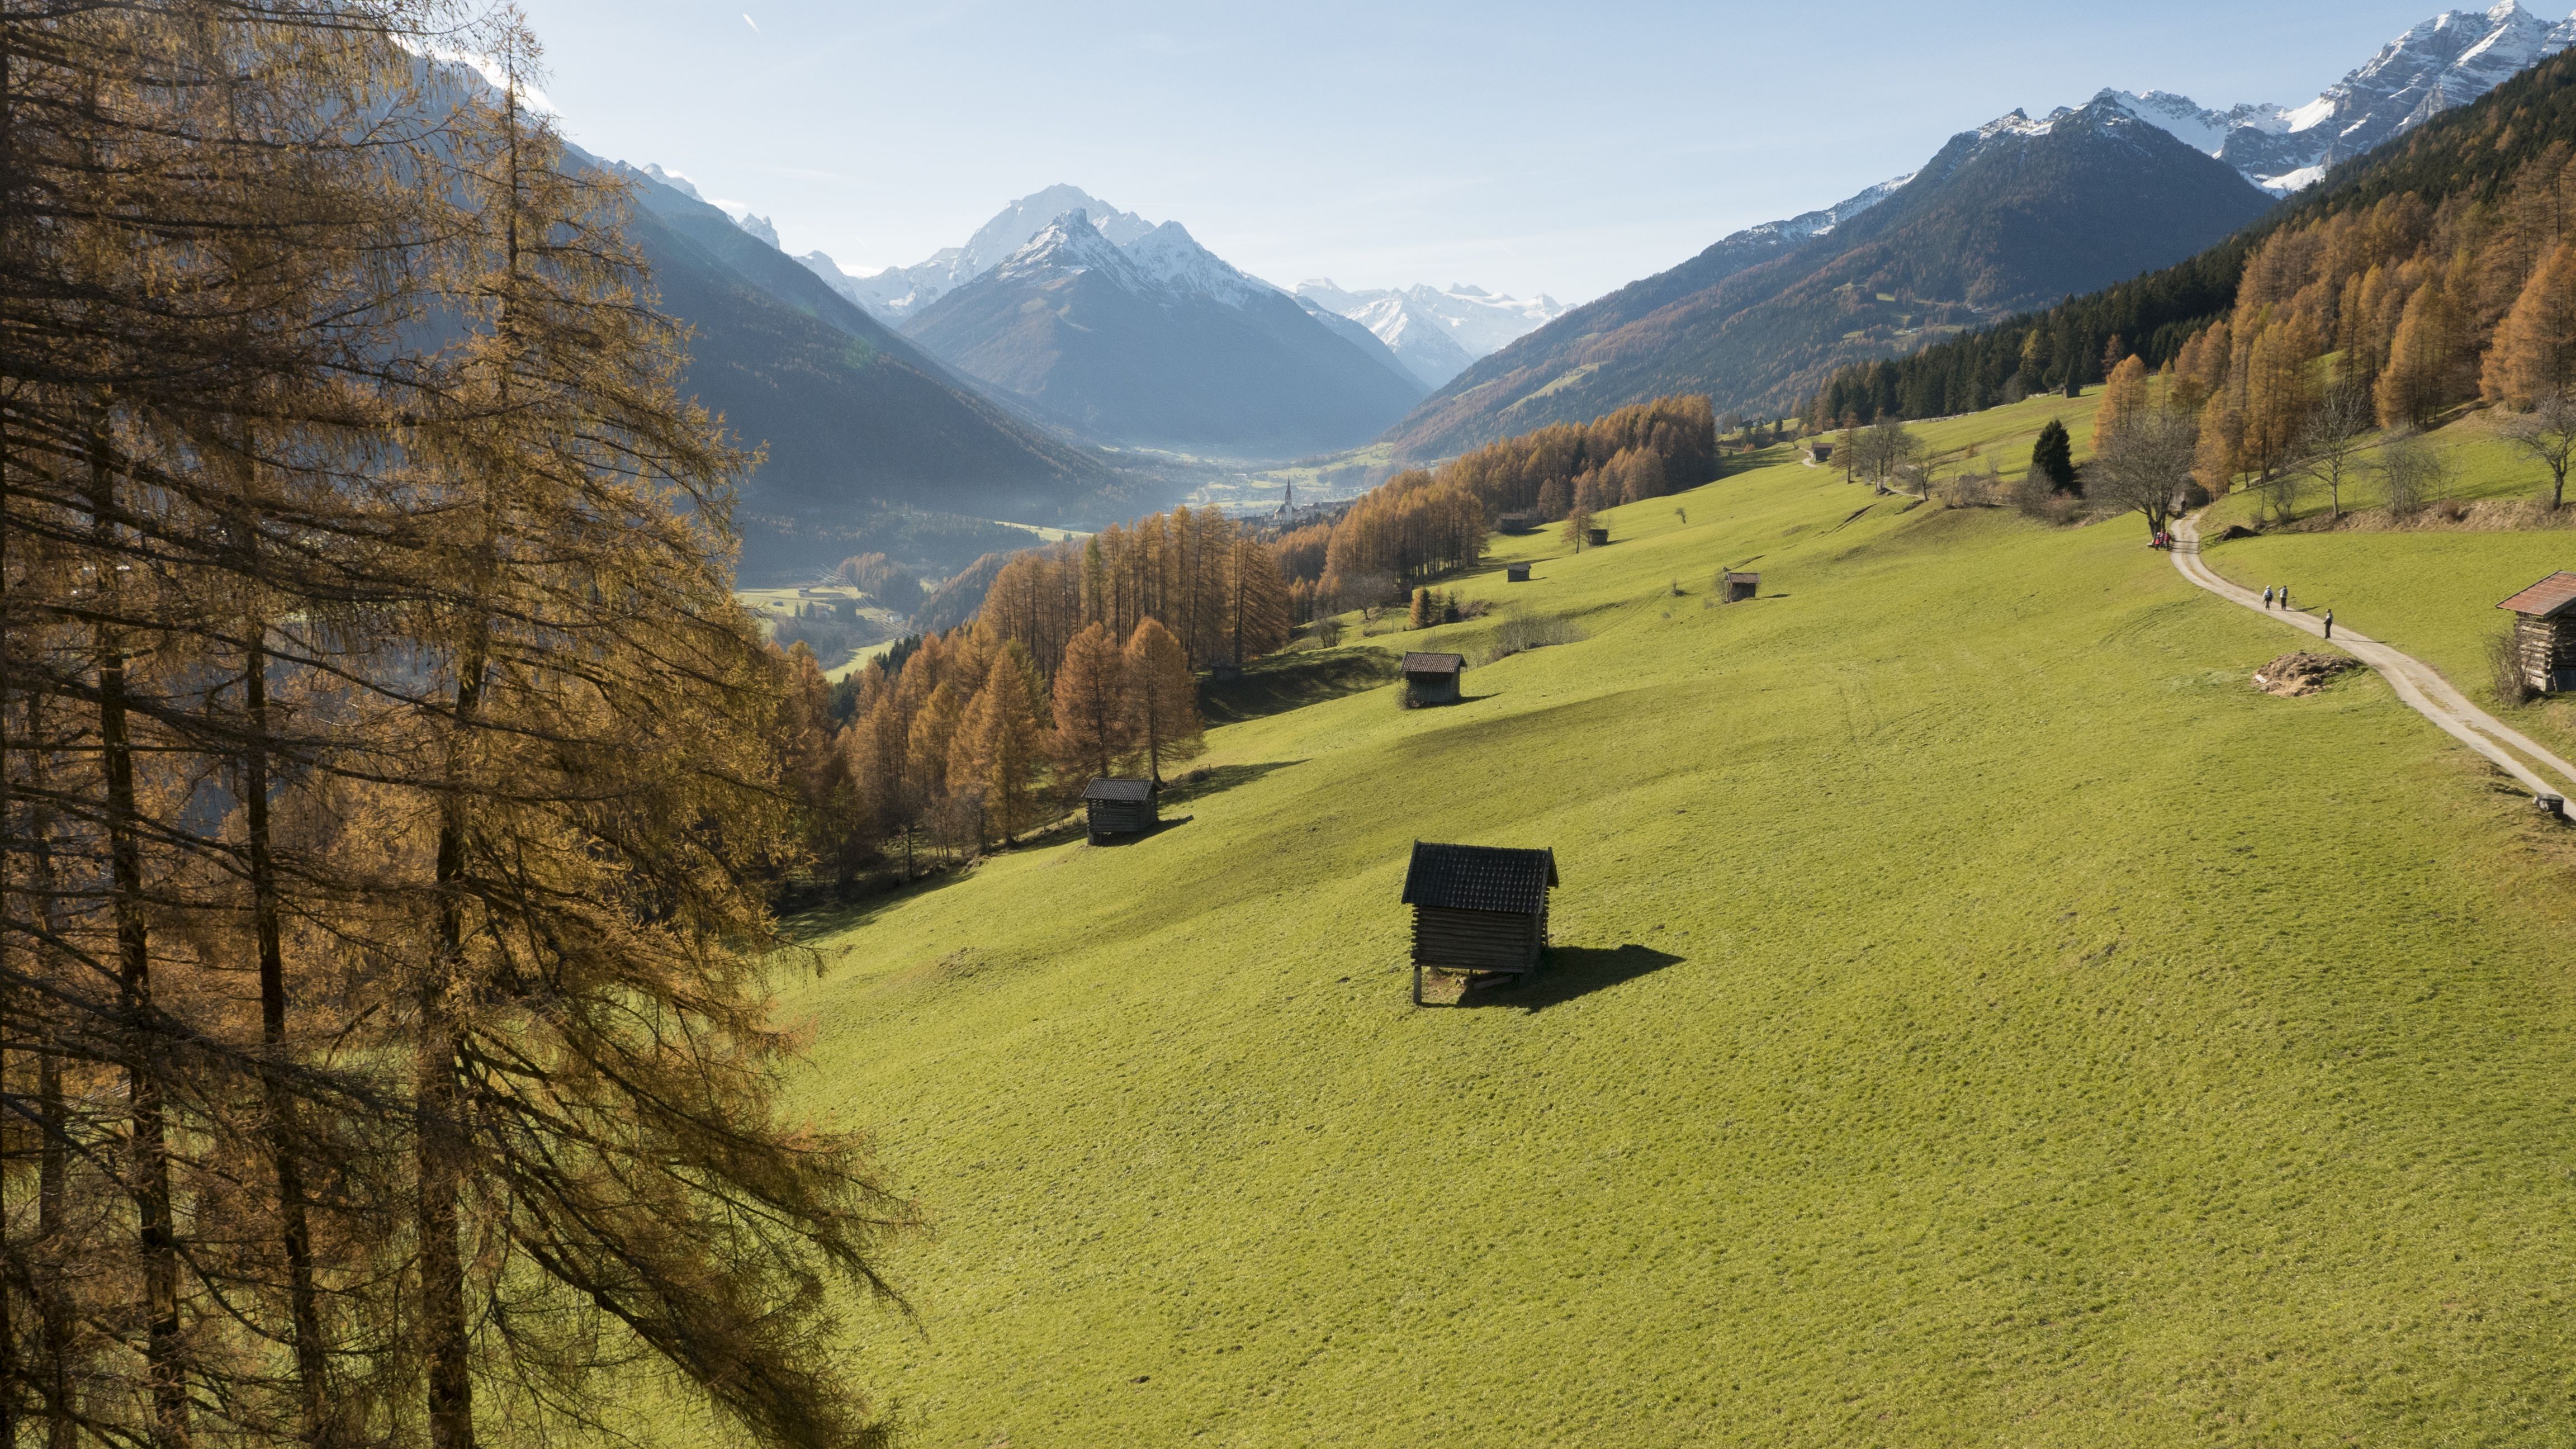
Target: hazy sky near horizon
1521, 147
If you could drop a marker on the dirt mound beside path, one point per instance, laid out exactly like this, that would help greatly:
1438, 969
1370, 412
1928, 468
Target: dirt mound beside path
2292, 675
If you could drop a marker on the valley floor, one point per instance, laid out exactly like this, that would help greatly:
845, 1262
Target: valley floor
1979, 1017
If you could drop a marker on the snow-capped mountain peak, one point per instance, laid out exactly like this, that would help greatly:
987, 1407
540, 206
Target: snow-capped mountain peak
2446, 61
1171, 256
1069, 246
1436, 332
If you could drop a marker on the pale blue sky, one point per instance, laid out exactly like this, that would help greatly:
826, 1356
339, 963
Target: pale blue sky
1522, 147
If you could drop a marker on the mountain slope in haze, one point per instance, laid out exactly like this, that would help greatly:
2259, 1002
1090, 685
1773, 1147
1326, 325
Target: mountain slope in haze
855, 419
2006, 217
1160, 344
2447, 61
1436, 332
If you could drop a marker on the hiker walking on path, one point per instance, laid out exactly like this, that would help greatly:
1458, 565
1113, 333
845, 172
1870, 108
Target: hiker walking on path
2330, 625
2267, 596
2285, 596
2417, 684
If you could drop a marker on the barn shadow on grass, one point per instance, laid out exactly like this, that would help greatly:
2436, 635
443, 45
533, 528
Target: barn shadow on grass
1573, 971
1284, 682
1121, 842
1199, 784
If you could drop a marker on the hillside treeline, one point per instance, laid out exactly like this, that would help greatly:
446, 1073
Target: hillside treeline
1214, 586
1423, 523
2471, 195
386, 792
966, 743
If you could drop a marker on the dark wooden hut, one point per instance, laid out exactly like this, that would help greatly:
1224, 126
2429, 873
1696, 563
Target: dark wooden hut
1518, 522
1740, 587
1516, 573
1600, 536
1478, 909
1119, 807
1822, 452
2544, 632
1432, 678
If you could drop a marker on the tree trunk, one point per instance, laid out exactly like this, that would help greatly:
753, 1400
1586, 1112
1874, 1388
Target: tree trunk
285, 1150
148, 1142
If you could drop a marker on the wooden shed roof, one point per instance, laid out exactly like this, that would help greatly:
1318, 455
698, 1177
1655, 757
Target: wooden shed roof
1733, 577
1479, 878
1134, 792
1434, 663
2547, 599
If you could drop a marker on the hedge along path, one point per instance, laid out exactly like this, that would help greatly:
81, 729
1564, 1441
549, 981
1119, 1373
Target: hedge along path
2419, 684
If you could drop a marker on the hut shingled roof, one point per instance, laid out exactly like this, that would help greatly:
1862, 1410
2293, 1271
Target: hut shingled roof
2547, 599
1434, 663
1479, 878
1132, 791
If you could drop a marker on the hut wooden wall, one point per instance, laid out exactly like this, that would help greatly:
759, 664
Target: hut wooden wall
1121, 817
1477, 940
2546, 650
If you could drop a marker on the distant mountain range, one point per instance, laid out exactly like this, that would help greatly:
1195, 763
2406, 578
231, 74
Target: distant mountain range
1160, 343
2008, 216
1436, 332
870, 443
2016, 213
2449, 60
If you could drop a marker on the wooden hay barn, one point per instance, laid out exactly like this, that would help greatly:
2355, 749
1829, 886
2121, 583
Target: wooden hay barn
1820, 451
1740, 587
1117, 808
1600, 536
1432, 678
1516, 573
1518, 522
1478, 909
2544, 632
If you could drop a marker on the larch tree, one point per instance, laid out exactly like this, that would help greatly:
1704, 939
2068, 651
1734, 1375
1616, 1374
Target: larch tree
999, 749
2534, 353
1091, 706
2124, 401
1163, 713
2416, 384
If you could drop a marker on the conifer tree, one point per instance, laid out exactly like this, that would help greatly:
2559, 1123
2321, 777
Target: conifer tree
997, 749
1091, 705
2534, 354
2052, 456
1163, 713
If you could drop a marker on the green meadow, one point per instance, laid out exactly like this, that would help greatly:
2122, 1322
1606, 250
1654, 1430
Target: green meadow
1977, 1016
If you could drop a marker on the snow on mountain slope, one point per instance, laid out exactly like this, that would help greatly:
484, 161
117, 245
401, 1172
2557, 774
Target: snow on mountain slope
898, 292
1170, 255
1437, 332
2446, 61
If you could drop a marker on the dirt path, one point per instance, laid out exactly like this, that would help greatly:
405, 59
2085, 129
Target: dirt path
2417, 683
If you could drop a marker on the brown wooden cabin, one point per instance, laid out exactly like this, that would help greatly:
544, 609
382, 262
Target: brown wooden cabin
1516, 573
1432, 678
1517, 522
1822, 452
1119, 807
1600, 536
2544, 632
1477, 908
1740, 587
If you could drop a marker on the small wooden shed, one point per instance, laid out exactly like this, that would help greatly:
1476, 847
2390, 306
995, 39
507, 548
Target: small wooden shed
2544, 632
1518, 522
1119, 807
1477, 908
1821, 451
1740, 587
1600, 536
1432, 678
1516, 573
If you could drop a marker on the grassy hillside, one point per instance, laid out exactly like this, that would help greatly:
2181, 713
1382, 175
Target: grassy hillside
1979, 1017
